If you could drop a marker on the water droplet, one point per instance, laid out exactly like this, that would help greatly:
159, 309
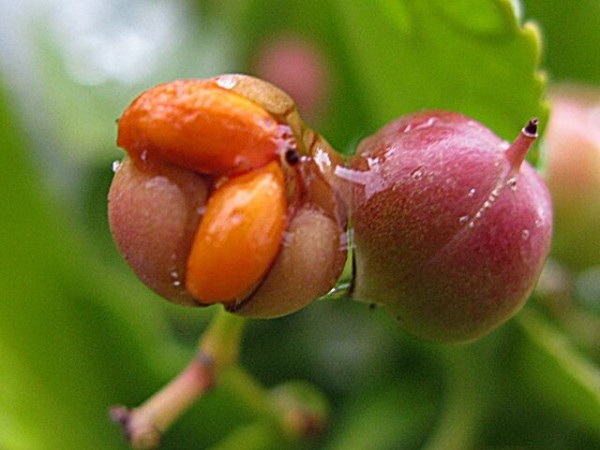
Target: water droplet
417, 174
428, 123
525, 234
226, 82
538, 222
463, 219
116, 165
175, 277
373, 163
472, 192
512, 184
144, 155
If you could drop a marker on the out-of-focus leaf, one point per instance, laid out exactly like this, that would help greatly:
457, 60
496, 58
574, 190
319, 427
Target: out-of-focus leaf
396, 57
72, 340
76, 69
256, 23
390, 416
571, 37
470, 56
561, 375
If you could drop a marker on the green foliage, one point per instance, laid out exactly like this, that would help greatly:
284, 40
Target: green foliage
78, 333
571, 30
468, 56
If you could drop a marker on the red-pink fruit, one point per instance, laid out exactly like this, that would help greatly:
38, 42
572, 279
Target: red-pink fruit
451, 225
225, 196
572, 145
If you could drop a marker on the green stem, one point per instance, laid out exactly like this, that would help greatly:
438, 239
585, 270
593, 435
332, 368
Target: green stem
218, 349
256, 436
344, 284
460, 419
221, 341
216, 359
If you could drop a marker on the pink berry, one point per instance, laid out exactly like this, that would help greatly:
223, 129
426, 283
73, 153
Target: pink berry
451, 225
298, 67
572, 145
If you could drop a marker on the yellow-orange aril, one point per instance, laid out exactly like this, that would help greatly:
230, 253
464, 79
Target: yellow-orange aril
201, 126
239, 236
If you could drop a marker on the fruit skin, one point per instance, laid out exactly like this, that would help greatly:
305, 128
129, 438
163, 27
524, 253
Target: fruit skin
572, 172
153, 213
451, 230
159, 196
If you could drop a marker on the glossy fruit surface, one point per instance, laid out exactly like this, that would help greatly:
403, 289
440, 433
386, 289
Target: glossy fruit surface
222, 187
451, 225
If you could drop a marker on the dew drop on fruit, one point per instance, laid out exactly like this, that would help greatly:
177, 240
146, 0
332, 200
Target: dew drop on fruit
226, 82
512, 184
525, 234
427, 124
175, 277
463, 219
116, 165
472, 192
417, 174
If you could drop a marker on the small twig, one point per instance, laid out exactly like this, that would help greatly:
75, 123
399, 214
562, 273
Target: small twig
143, 426
218, 348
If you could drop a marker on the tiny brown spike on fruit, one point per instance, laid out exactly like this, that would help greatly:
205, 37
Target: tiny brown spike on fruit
517, 152
532, 127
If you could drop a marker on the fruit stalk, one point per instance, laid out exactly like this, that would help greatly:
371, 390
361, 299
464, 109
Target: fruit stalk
218, 349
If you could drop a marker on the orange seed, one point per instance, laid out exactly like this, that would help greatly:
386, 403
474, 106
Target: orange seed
239, 236
200, 126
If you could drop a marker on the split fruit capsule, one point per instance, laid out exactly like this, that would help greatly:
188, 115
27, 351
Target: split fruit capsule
451, 225
225, 196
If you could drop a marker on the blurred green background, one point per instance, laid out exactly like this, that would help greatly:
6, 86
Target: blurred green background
79, 333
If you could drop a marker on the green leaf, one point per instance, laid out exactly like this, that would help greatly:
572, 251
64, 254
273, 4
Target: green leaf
468, 56
571, 38
74, 338
392, 416
563, 377
400, 56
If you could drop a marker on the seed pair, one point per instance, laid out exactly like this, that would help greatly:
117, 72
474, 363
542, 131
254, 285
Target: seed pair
231, 162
